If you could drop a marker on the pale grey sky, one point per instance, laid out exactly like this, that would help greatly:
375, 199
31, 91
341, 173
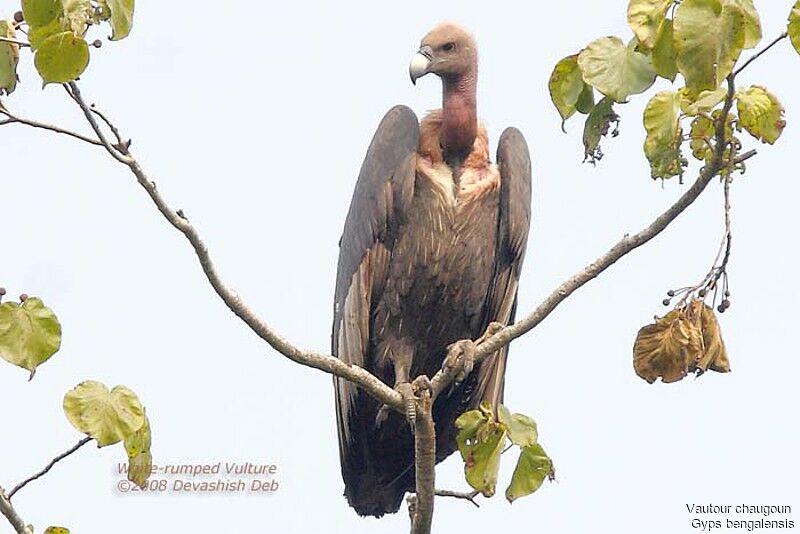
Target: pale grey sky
253, 118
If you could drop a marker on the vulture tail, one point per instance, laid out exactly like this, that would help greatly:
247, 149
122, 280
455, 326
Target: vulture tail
377, 462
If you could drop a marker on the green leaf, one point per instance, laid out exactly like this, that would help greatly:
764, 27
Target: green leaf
597, 125
29, 333
794, 26
664, 55
614, 69
662, 146
585, 103
108, 417
140, 461
9, 57
752, 22
56, 530
567, 88
709, 36
480, 441
532, 468
38, 35
62, 57
39, 13
645, 18
121, 17
521, 428
760, 113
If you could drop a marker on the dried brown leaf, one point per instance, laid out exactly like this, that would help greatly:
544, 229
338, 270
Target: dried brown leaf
667, 348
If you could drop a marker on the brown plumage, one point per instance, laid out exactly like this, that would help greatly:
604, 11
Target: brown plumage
431, 254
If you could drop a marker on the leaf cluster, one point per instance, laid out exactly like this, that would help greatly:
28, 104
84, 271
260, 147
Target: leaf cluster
482, 439
30, 334
57, 34
698, 41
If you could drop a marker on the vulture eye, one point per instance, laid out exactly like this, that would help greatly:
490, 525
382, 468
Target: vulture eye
449, 47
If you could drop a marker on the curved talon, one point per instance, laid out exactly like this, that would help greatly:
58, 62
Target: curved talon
420, 384
461, 357
493, 328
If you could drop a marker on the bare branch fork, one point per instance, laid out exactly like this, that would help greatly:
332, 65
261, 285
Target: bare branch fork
493, 340
7, 509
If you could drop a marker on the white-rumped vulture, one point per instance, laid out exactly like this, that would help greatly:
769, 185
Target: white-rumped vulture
431, 254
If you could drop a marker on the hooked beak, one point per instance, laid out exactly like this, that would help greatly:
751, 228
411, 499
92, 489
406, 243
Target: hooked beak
420, 63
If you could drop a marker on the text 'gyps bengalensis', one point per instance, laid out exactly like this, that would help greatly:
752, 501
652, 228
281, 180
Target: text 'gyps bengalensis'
431, 254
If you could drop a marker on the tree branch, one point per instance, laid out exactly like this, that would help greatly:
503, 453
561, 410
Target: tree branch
467, 496
353, 373
425, 464
627, 244
49, 466
425, 432
12, 119
757, 55
7, 509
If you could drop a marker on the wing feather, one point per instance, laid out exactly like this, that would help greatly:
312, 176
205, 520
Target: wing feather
383, 190
514, 162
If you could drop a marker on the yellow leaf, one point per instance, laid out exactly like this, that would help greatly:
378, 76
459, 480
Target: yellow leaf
752, 22
702, 131
566, 86
662, 146
140, 461
645, 18
760, 113
794, 26
664, 55
9, 57
614, 69
106, 416
709, 36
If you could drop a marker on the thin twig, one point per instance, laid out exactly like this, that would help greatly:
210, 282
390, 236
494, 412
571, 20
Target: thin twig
49, 466
120, 143
14, 41
7, 509
75, 93
744, 157
468, 496
12, 119
757, 55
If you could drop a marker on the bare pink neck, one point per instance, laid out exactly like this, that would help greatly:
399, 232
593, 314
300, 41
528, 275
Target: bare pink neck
459, 114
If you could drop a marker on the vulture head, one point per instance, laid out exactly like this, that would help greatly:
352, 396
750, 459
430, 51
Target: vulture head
449, 51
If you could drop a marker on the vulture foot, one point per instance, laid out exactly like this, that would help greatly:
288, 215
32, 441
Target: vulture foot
493, 328
461, 357
410, 392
